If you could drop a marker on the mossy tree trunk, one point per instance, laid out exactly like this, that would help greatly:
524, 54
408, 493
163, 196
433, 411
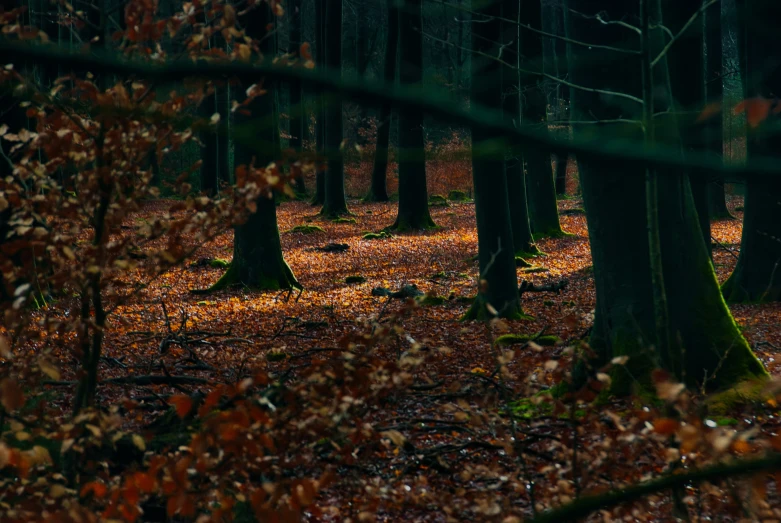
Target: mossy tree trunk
541, 192
297, 112
523, 243
706, 342
492, 209
687, 83
378, 190
757, 275
257, 251
413, 213
318, 198
335, 203
714, 91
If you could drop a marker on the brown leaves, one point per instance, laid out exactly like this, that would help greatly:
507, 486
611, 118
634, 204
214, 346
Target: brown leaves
11, 395
182, 404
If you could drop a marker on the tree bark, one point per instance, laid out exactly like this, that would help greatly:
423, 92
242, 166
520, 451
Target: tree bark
297, 112
257, 251
705, 338
757, 275
378, 190
523, 243
492, 209
541, 192
335, 202
714, 91
413, 213
318, 198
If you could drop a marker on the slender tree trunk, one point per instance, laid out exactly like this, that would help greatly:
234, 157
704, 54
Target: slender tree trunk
492, 209
319, 197
703, 333
541, 192
523, 243
413, 196
757, 275
257, 251
335, 202
297, 112
210, 166
378, 191
714, 90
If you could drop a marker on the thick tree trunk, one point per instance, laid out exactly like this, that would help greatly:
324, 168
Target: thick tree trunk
706, 341
210, 149
335, 202
541, 192
257, 252
378, 190
714, 91
413, 195
297, 112
523, 243
757, 275
492, 209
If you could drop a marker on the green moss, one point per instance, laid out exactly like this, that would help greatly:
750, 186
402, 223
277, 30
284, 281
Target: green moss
513, 339
534, 270
382, 235
521, 262
342, 219
219, 263
354, 279
307, 229
438, 275
431, 300
276, 355
745, 393
456, 196
437, 200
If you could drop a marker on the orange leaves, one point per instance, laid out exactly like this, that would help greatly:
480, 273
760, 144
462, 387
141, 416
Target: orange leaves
95, 488
182, 404
756, 109
665, 426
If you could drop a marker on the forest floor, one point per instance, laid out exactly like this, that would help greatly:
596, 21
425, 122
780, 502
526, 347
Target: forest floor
247, 326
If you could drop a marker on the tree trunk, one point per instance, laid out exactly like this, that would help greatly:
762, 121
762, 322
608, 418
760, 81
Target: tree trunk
378, 190
257, 252
541, 192
413, 195
319, 197
297, 112
757, 275
492, 209
335, 202
523, 243
714, 91
706, 341
210, 149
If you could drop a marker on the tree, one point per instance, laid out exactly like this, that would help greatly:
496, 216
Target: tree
541, 192
714, 92
705, 343
378, 190
210, 149
319, 196
413, 197
757, 276
257, 251
499, 283
335, 203
297, 112
523, 242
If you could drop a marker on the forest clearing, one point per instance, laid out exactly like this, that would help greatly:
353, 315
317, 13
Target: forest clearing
390, 260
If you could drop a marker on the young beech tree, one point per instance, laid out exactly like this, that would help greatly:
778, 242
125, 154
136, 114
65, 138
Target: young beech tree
413, 196
757, 275
335, 203
541, 192
257, 252
297, 113
706, 344
714, 92
499, 287
523, 243
378, 190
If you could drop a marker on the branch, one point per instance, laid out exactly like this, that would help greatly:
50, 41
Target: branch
665, 158
587, 505
548, 287
680, 33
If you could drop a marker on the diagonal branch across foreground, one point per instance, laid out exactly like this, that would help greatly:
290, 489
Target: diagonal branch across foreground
668, 159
